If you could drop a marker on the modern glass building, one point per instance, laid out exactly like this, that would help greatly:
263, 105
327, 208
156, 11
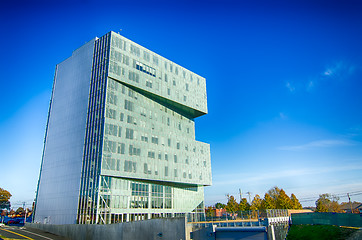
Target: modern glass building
120, 138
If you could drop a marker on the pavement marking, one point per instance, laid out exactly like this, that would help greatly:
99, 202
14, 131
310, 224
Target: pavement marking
36, 234
18, 234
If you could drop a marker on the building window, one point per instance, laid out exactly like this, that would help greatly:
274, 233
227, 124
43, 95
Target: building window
112, 98
145, 68
111, 113
130, 119
133, 76
129, 133
146, 56
146, 169
128, 105
155, 60
121, 148
134, 151
151, 154
119, 131
144, 138
130, 166
154, 140
111, 129
135, 50
148, 83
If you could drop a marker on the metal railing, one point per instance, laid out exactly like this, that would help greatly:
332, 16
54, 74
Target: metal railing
251, 218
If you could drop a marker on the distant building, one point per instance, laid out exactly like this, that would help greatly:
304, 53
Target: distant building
355, 206
120, 138
220, 212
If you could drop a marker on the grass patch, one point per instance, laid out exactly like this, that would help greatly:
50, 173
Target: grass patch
319, 232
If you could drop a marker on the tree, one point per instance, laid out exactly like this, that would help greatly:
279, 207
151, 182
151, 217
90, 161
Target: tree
210, 212
256, 203
295, 202
20, 210
232, 205
244, 205
268, 202
283, 201
327, 203
4, 199
274, 193
219, 205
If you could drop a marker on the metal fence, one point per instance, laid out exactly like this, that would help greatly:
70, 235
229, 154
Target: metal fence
250, 218
337, 219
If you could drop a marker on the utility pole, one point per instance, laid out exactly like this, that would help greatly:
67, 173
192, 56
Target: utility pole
24, 213
249, 193
240, 194
350, 204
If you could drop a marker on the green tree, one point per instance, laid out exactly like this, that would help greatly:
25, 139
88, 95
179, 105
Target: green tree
268, 202
244, 205
232, 205
4, 199
283, 201
219, 205
210, 212
327, 203
323, 202
274, 193
295, 202
256, 203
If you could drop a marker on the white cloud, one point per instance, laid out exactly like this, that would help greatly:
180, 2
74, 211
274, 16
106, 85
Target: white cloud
339, 71
290, 87
283, 116
317, 144
310, 85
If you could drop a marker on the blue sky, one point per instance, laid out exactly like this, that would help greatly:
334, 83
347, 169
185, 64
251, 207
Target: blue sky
283, 83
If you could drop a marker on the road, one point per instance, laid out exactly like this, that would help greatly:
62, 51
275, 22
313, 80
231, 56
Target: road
13, 232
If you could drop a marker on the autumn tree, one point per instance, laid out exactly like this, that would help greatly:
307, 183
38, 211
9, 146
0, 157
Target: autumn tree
295, 202
283, 201
210, 212
20, 210
256, 203
268, 202
232, 205
4, 199
219, 205
244, 205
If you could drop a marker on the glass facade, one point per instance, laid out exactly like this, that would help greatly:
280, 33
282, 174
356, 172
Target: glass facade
141, 159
